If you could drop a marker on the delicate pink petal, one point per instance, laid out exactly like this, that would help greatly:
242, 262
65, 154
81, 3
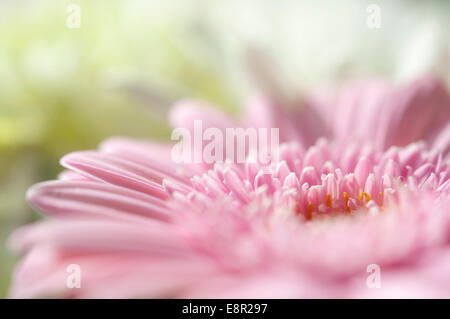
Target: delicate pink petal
115, 171
77, 199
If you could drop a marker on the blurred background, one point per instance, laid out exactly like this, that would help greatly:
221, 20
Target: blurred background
75, 72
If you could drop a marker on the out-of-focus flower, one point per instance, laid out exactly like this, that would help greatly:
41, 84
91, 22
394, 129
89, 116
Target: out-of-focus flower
306, 225
372, 112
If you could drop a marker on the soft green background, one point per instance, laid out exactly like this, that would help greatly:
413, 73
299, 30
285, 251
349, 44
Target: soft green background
65, 89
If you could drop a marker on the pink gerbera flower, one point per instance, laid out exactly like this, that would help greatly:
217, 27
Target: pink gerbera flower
307, 225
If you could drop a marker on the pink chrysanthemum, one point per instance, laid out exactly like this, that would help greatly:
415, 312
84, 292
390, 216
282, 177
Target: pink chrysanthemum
307, 225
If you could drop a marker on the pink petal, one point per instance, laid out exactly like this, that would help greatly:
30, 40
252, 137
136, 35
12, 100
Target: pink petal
77, 199
116, 171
